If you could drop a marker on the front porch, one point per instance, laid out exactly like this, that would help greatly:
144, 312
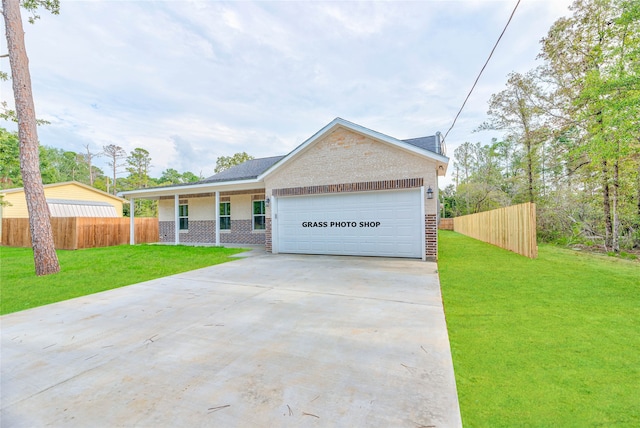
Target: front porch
215, 215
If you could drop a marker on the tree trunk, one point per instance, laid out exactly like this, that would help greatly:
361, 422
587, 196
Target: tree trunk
615, 241
637, 239
606, 205
530, 170
44, 253
638, 187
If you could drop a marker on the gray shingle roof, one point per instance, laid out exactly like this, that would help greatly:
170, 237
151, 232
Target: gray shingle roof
245, 171
427, 143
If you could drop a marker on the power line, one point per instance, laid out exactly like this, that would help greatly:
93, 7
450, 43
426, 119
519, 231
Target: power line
481, 71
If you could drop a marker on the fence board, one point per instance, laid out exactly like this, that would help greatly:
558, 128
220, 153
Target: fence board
512, 228
446, 224
72, 233
15, 231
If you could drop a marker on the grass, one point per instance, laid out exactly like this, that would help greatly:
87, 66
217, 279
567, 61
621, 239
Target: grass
93, 270
550, 342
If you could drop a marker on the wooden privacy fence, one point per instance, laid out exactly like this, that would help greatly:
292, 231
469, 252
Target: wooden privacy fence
445, 224
512, 228
72, 233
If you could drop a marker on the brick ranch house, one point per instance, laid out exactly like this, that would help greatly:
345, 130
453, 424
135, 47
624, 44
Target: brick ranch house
347, 190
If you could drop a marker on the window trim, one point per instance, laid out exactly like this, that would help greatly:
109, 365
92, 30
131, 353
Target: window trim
183, 217
221, 216
254, 215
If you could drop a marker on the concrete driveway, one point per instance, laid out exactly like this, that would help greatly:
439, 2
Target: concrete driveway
269, 340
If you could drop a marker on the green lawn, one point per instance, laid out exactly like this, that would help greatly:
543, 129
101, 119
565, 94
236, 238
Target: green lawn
92, 270
551, 342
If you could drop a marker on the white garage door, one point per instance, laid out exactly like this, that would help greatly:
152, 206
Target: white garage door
360, 224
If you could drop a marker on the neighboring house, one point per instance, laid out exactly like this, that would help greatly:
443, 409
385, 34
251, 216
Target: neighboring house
347, 190
69, 199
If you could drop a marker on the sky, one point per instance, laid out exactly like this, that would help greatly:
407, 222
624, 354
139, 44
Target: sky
190, 81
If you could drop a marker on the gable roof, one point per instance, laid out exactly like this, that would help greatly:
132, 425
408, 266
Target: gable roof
251, 173
420, 146
66, 183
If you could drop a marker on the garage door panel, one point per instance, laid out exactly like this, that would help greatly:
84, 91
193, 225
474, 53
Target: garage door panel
398, 234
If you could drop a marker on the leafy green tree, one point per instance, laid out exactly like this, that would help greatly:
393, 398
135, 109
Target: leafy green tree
9, 160
516, 111
171, 176
49, 158
480, 180
226, 162
100, 180
190, 177
572, 132
592, 58
138, 164
448, 196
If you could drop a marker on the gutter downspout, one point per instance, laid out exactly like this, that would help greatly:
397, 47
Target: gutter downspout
423, 218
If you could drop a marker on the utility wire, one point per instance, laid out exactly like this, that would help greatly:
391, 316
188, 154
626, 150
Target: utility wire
481, 71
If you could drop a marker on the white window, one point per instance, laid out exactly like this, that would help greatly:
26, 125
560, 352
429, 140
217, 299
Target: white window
225, 215
258, 215
183, 216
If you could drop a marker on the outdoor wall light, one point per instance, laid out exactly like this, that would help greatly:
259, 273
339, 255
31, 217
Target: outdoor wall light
429, 193
267, 202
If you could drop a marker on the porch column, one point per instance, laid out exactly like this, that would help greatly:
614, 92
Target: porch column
217, 220
176, 231
423, 220
132, 222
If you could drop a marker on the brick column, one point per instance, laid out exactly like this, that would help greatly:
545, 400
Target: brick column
267, 235
431, 236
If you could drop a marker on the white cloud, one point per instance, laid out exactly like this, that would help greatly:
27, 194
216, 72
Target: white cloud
191, 81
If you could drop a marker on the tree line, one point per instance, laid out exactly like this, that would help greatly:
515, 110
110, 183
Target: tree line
571, 134
58, 165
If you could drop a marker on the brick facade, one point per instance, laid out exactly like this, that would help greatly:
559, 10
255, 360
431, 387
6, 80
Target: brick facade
268, 235
167, 231
431, 236
242, 233
407, 183
204, 232
200, 232
345, 156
